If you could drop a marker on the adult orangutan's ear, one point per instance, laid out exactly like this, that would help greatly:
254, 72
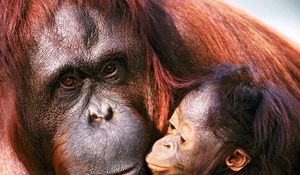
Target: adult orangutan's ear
238, 160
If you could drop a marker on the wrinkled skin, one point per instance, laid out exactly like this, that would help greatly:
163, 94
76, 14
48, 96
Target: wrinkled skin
188, 138
187, 37
229, 125
79, 107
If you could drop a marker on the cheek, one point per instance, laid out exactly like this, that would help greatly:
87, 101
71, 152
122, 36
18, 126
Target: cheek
105, 148
207, 145
39, 116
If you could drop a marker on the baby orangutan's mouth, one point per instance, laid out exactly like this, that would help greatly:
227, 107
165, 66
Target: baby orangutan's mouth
158, 168
165, 169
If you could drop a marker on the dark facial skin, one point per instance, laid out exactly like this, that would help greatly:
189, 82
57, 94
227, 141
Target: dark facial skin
187, 138
79, 108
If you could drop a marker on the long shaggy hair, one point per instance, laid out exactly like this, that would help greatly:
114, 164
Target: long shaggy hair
184, 39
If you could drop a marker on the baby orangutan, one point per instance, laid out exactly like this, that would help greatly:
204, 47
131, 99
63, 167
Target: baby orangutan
228, 125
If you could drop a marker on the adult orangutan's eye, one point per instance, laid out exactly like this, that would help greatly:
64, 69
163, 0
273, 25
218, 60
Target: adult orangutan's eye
70, 82
110, 69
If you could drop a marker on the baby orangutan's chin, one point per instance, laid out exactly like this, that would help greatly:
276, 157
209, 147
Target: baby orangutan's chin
158, 168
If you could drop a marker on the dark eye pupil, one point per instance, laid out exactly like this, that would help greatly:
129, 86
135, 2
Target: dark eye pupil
69, 82
110, 69
182, 140
172, 126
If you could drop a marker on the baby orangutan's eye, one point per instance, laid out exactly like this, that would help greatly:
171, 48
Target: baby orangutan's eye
171, 128
182, 140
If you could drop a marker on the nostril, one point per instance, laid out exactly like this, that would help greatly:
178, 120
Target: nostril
96, 115
168, 146
109, 114
95, 118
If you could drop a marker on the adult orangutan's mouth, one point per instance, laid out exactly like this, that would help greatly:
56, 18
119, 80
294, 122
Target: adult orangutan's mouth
129, 171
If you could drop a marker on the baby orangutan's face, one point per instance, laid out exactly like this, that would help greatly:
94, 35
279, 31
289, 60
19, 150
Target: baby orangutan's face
188, 143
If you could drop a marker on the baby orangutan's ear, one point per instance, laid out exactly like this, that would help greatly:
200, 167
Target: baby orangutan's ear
238, 160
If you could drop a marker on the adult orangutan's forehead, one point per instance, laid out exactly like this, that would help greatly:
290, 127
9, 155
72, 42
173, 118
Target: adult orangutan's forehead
81, 27
79, 35
75, 26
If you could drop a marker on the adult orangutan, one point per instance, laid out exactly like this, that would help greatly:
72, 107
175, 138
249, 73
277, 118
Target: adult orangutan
229, 125
83, 82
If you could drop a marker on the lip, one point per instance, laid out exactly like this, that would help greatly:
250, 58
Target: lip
157, 168
129, 171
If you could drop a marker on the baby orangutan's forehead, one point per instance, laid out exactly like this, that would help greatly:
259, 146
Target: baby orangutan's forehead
197, 103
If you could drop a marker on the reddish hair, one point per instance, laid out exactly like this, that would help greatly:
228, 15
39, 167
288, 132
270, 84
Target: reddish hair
189, 38
183, 38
